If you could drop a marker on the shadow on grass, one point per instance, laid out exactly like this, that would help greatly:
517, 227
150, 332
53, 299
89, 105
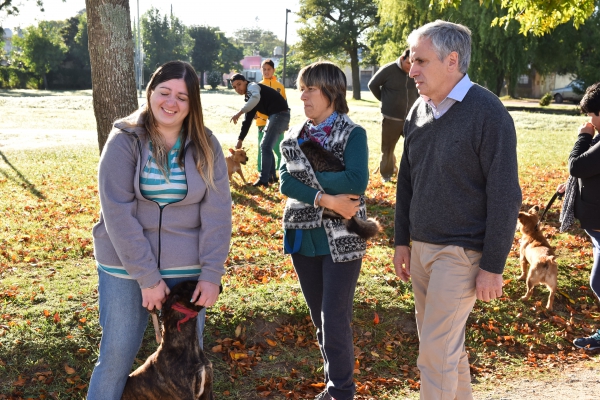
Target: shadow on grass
23, 180
43, 93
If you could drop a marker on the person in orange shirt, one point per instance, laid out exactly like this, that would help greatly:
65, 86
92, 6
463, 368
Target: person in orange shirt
269, 79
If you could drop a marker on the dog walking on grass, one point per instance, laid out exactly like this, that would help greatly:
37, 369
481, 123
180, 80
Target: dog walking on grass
538, 261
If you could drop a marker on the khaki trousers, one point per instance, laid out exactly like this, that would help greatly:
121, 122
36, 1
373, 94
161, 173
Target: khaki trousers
443, 280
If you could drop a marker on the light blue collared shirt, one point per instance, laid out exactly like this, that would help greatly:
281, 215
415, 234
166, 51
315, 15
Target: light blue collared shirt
457, 93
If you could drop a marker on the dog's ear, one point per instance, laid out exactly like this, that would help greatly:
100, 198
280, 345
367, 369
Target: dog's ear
522, 215
231, 151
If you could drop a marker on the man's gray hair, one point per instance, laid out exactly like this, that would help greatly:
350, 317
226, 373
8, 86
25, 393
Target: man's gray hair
446, 37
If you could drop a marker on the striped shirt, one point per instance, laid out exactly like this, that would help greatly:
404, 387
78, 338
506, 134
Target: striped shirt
164, 190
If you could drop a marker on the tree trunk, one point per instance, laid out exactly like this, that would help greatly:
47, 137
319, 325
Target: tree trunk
111, 56
355, 73
45, 81
201, 79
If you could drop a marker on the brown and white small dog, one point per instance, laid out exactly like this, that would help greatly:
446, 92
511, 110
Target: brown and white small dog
538, 255
235, 161
179, 368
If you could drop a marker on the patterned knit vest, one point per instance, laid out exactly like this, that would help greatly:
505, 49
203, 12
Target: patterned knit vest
344, 245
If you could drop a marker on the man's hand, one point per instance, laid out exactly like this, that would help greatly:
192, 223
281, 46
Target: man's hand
235, 118
402, 262
587, 128
488, 285
209, 293
238, 145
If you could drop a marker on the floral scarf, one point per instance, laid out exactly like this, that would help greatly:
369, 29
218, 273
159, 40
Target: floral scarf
319, 133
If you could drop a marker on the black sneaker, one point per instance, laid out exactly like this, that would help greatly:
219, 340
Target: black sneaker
273, 179
588, 343
259, 183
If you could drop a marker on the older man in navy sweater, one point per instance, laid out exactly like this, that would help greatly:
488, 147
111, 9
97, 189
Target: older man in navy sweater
458, 198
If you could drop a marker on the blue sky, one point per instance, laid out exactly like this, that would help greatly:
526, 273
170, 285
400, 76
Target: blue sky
228, 15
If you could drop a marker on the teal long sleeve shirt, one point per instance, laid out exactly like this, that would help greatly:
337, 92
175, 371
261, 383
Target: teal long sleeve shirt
353, 180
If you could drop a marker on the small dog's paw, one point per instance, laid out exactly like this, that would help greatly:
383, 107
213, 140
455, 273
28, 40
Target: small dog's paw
522, 277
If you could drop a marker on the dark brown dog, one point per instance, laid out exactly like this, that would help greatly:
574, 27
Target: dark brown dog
179, 368
322, 160
538, 255
234, 163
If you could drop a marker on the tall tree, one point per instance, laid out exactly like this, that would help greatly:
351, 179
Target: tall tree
10, 8
205, 52
111, 57
229, 56
498, 54
164, 38
332, 27
41, 48
257, 40
75, 37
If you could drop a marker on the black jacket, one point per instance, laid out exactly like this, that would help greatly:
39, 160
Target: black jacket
271, 102
584, 164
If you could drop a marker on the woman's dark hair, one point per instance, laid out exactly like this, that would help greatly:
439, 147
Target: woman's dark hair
268, 61
590, 103
193, 124
330, 79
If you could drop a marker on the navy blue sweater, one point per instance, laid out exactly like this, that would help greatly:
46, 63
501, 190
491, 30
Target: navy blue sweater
458, 182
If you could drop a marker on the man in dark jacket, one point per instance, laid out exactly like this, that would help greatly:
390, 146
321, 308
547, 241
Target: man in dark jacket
267, 101
397, 92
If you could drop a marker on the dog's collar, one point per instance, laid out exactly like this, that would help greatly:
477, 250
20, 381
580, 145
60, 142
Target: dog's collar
186, 311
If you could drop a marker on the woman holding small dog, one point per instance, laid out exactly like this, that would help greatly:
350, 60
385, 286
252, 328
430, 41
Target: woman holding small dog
165, 218
582, 197
327, 258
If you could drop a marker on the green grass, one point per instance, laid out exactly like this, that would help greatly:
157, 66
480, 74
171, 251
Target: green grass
258, 335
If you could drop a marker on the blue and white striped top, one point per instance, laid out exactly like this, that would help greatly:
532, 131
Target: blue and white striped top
164, 190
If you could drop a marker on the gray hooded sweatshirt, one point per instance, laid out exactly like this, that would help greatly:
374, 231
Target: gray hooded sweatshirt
135, 233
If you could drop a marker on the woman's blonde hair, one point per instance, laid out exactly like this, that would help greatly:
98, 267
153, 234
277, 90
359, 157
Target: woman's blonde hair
330, 79
193, 124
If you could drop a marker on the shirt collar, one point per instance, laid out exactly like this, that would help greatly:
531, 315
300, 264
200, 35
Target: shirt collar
458, 92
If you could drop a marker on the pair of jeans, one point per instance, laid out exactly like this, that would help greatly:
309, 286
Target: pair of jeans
276, 124
328, 288
123, 321
595, 273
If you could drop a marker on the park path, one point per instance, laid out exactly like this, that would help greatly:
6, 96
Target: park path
580, 381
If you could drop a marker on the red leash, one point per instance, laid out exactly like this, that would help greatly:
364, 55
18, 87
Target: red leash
186, 311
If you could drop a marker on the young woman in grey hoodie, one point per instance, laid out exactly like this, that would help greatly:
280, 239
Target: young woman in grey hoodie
165, 217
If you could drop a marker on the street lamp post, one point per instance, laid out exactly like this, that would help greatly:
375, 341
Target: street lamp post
285, 43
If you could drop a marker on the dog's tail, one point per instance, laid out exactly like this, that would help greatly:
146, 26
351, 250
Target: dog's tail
365, 229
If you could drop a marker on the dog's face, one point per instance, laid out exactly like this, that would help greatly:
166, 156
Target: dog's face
239, 156
181, 293
528, 220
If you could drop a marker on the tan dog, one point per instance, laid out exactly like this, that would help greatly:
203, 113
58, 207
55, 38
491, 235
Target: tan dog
538, 255
234, 161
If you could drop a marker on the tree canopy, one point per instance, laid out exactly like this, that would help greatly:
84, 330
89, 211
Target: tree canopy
164, 38
538, 17
257, 40
41, 48
334, 27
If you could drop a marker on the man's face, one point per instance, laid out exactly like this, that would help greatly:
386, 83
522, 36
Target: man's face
405, 64
240, 86
430, 74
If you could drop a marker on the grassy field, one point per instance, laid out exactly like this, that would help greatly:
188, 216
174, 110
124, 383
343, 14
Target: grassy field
259, 335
